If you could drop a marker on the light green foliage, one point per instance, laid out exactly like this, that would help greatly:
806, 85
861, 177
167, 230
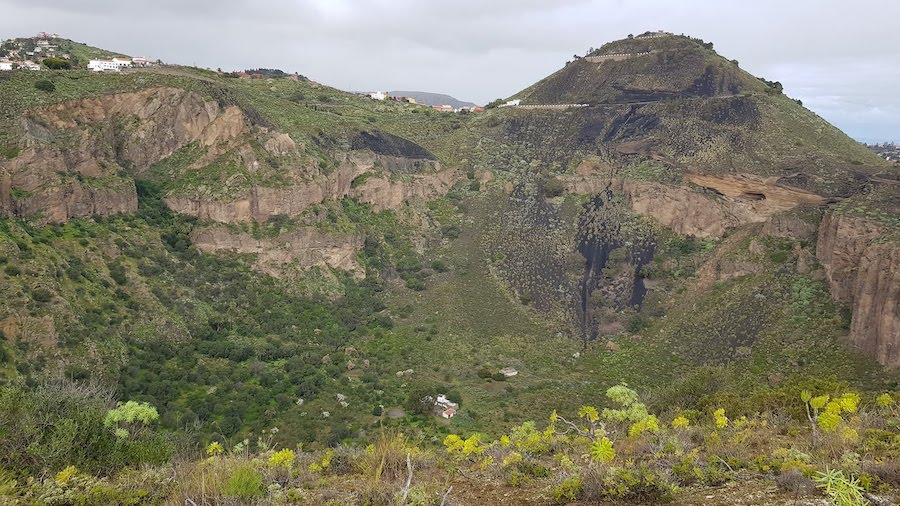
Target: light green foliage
884, 400
460, 447
649, 424
321, 465
65, 475
527, 438
131, 413
214, 449
680, 422
244, 483
602, 451
720, 419
631, 410
826, 412
841, 490
589, 413
568, 490
283, 458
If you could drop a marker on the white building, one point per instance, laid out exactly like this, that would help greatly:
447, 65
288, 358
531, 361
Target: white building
6, 65
29, 65
378, 95
140, 61
443, 402
114, 65
512, 103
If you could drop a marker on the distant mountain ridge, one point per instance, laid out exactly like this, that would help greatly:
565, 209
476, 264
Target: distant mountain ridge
424, 97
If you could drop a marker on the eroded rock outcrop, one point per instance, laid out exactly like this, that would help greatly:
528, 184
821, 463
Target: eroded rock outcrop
260, 203
681, 209
312, 187
862, 266
288, 253
733, 201
74, 153
383, 193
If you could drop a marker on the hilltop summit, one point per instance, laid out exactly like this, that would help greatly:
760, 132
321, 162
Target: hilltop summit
674, 99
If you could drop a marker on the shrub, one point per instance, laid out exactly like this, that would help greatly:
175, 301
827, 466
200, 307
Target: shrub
62, 424
841, 490
117, 273
244, 483
12, 270
794, 482
42, 295
57, 63
45, 85
283, 458
568, 490
637, 482
385, 458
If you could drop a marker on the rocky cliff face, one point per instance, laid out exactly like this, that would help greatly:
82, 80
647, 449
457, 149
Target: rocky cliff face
863, 269
379, 190
74, 154
732, 200
289, 253
383, 193
261, 203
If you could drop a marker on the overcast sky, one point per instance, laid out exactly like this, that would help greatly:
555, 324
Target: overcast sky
842, 58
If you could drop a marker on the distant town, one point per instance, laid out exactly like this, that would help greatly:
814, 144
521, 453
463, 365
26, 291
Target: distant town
383, 95
887, 150
49, 51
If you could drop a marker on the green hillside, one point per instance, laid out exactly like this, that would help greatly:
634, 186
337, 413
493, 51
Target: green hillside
243, 254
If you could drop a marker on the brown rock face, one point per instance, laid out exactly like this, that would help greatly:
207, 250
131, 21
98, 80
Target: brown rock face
73, 153
683, 210
789, 227
740, 200
281, 256
261, 203
382, 193
865, 273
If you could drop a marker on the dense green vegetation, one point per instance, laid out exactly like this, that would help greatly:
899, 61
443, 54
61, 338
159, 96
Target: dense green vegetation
843, 444
128, 356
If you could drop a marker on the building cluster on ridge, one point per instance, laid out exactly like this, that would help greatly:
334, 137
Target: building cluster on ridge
118, 63
381, 95
43, 51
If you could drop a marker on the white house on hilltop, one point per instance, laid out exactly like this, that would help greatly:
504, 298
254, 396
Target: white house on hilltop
114, 65
378, 95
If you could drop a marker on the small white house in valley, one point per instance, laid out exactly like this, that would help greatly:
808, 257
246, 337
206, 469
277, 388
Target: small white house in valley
6, 65
512, 103
443, 402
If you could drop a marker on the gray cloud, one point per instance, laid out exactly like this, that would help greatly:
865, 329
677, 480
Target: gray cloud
840, 58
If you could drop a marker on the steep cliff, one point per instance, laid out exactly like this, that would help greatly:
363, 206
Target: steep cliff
730, 201
259, 203
289, 253
862, 264
77, 157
